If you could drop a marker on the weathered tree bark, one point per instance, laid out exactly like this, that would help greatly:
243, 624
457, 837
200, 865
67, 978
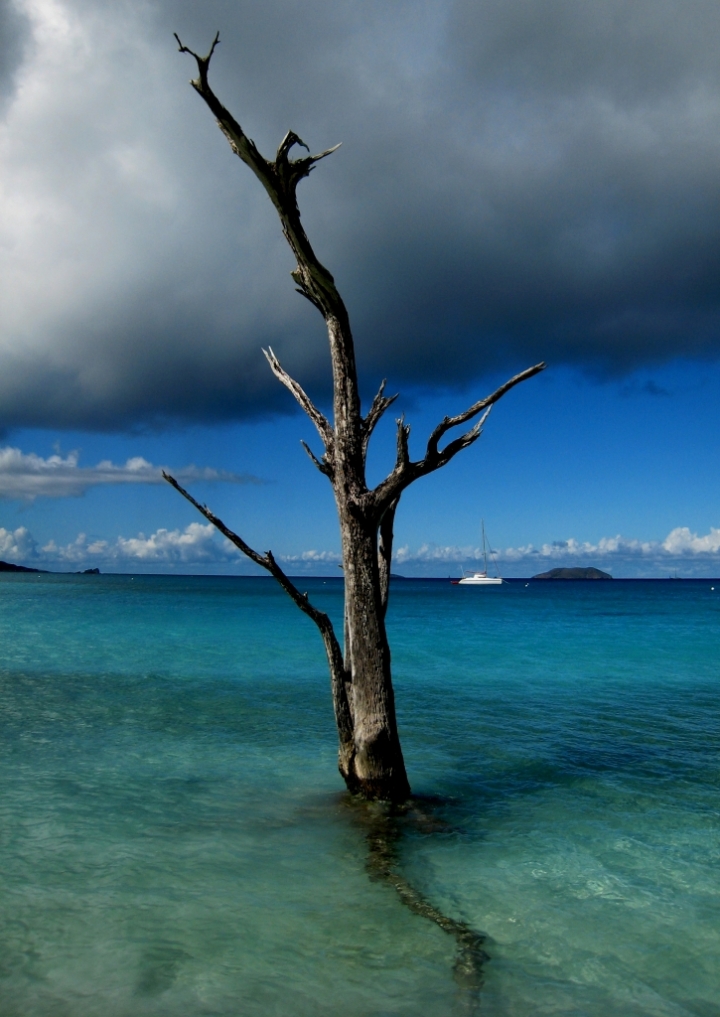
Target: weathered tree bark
370, 758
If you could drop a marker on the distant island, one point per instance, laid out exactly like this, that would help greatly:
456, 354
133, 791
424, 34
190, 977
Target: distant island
6, 566
590, 573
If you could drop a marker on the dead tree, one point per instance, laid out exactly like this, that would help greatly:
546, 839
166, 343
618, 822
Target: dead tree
370, 757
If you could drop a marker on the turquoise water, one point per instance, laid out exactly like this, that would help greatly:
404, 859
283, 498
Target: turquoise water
174, 839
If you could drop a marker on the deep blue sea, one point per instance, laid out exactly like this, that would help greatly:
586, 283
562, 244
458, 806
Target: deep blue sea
175, 840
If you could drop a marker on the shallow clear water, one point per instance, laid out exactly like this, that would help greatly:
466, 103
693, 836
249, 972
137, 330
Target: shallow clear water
174, 839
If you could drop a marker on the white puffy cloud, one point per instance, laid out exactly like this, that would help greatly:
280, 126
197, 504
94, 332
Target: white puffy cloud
313, 557
679, 547
197, 544
606, 547
17, 545
681, 541
200, 545
27, 476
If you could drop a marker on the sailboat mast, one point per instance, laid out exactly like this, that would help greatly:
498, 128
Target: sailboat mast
482, 521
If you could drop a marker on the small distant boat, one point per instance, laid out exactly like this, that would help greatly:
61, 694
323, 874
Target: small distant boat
479, 578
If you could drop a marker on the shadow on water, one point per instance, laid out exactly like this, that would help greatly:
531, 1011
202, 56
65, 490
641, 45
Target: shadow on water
385, 826
159, 968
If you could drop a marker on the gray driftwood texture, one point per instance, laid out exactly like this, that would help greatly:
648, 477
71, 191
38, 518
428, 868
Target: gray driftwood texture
370, 757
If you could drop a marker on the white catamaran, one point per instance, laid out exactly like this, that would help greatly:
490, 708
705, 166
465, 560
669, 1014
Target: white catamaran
480, 578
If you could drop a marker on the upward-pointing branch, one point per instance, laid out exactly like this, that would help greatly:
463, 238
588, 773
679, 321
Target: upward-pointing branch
280, 179
202, 62
319, 419
406, 471
379, 404
326, 465
447, 422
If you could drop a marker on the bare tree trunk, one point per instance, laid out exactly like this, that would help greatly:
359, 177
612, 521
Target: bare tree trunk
376, 769
369, 758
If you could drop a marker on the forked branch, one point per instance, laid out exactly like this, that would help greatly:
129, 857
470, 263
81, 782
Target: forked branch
379, 404
202, 62
280, 179
447, 422
402, 460
406, 471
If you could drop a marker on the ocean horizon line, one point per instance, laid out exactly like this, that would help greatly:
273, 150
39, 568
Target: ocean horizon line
29, 571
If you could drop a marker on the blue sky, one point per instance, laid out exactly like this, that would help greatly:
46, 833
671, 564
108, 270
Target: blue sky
564, 458
517, 181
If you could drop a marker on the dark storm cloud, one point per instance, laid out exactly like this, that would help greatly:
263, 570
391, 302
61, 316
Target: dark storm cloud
518, 179
13, 38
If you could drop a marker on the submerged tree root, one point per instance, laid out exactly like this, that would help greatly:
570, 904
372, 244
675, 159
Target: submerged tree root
383, 824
